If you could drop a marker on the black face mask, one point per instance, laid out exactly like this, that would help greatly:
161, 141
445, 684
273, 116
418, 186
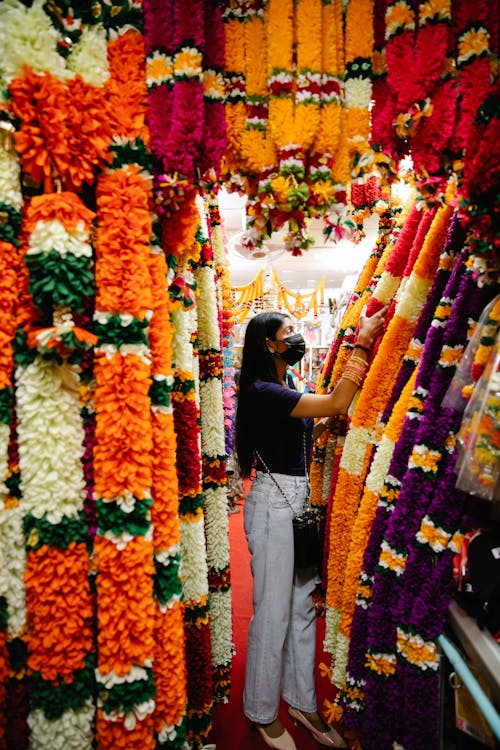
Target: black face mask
296, 349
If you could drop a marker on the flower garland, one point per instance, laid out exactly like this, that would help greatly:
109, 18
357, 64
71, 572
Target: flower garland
383, 138
124, 431
214, 137
179, 149
381, 662
418, 488
234, 51
214, 466
294, 104
423, 91
437, 540
324, 160
257, 147
369, 408
298, 305
473, 66
343, 344
393, 416
293, 116
13, 558
341, 349
226, 307
168, 667
358, 85
50, 438
479, 184
29, 39
194, 572
362, 526
51, 141
174, 37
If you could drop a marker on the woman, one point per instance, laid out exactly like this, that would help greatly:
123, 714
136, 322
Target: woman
273, 434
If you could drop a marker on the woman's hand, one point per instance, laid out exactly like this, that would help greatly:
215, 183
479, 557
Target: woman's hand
370, 328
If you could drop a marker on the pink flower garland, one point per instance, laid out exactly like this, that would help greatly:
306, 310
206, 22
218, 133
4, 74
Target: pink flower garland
214, 140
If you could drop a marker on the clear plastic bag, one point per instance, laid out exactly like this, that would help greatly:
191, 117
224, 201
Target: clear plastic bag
478, 458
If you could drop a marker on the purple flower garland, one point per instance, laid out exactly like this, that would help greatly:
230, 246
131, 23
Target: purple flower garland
356, 668
418, 490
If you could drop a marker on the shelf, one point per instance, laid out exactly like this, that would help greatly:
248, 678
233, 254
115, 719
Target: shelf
479, 645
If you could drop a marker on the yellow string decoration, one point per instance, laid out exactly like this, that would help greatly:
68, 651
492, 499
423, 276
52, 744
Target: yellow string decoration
296, 304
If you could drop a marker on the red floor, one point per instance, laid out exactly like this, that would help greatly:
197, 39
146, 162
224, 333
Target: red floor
231, 730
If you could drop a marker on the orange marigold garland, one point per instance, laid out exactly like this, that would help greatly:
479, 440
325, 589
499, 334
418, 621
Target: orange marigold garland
294, 106
169, 662
234, 50
52, 140
124, 433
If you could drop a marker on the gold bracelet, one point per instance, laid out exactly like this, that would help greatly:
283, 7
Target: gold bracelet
360, 360
356, 379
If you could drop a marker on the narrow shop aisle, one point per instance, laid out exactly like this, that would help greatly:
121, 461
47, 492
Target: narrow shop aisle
231, 730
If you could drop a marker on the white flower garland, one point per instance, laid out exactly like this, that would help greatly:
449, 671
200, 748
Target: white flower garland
193, 569
193, 565
53, 235
74, 730
50, 434
14, 565
89, 57
27, 37
213, 446
10, 175
4, 457
354, 449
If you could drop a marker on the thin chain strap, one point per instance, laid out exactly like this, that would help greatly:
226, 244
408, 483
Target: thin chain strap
307, 502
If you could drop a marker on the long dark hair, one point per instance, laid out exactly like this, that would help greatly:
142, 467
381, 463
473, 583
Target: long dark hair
257, 363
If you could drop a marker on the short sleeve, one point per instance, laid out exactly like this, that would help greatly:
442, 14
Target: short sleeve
275, 399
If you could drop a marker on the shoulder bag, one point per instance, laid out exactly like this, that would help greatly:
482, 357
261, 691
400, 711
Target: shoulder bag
306, 534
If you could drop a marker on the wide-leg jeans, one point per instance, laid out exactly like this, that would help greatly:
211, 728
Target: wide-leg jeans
282, 635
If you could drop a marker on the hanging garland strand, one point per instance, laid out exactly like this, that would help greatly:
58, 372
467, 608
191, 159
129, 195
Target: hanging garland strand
168, 667
124, 435
369, 407
194, 571
214, 465
13, 558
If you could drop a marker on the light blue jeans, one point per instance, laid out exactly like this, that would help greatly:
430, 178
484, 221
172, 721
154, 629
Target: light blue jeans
282, 635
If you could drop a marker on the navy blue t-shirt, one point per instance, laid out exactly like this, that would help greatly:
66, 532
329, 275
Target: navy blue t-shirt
278, 437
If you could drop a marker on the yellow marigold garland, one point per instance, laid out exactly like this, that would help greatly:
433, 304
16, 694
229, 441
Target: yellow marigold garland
293, 115
235, 85
358, 86
257, 147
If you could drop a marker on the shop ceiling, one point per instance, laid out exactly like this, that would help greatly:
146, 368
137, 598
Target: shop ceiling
338, 263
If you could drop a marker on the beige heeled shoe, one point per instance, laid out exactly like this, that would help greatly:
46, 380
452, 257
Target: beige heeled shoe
330, 738
283, 742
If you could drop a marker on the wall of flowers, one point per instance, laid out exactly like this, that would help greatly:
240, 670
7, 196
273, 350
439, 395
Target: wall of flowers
119, 120
386, 475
